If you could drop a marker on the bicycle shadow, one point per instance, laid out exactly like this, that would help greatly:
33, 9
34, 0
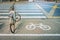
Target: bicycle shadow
19, 26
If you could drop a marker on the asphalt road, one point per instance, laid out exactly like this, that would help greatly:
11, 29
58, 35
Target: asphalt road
29, 38
21, 26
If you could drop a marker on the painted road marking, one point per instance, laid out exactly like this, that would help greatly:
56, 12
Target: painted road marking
25, 17
32, 26
29, 34
22, 13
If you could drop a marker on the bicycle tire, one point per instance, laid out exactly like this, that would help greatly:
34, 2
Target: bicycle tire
18, 19
12, 28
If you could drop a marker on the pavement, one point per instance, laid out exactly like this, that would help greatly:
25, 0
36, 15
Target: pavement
21, 26
29, 38
32, 10
36, 13
21, 29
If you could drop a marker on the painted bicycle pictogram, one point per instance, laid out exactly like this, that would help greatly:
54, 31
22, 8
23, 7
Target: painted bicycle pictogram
42, 26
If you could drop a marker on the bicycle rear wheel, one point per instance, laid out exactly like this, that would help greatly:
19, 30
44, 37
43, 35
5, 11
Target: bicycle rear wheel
12, 28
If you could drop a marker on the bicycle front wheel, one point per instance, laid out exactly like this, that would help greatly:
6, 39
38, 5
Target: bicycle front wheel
18, 17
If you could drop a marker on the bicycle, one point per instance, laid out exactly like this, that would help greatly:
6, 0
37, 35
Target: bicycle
12, 25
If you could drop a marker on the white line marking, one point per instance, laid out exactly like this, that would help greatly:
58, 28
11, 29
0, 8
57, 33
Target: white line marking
32, 26
29, 34
25, 17
42, 10
22, 13
4, 17
30, 13
33, 17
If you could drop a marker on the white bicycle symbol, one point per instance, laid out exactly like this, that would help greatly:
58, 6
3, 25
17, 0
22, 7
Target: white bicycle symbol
32, 26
